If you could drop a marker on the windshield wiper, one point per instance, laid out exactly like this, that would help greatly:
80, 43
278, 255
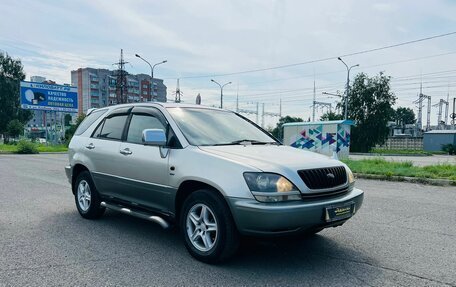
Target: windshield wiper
247, 141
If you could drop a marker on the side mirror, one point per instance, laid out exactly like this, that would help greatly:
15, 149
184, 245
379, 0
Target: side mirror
154, 137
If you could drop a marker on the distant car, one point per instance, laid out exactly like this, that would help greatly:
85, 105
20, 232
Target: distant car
213, 173
42, 140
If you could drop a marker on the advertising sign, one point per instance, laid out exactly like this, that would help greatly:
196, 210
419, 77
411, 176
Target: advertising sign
47, 97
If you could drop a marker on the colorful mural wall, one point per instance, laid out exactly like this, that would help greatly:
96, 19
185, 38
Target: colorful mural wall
321, 137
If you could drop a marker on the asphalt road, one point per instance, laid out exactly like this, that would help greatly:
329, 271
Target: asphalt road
405, 235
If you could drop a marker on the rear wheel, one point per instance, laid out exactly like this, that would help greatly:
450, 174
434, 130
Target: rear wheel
208, 228
86, 197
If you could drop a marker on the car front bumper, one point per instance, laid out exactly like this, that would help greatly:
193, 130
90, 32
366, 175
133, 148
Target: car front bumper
257, 218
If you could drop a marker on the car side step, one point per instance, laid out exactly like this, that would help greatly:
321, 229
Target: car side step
154, 218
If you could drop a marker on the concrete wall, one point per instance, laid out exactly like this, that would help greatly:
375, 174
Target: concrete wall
407, 143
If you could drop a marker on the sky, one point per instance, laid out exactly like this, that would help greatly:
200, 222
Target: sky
204, 40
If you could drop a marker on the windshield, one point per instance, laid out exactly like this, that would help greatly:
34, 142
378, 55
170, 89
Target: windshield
216, 127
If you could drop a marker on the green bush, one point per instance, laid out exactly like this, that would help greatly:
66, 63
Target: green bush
26, 147
449, 148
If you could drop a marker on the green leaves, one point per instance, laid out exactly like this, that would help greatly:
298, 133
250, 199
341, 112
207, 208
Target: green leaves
11, 73
370, 104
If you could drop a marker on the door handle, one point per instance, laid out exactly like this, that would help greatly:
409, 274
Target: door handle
126, 151
90, 146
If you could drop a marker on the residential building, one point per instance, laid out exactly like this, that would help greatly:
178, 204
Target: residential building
97, 88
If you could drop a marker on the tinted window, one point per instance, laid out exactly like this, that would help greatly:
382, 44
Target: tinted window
89, 120
138, 124
113, 127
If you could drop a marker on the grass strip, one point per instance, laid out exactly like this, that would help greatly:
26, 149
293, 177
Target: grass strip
383, 167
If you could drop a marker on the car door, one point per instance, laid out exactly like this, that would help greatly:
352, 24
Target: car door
145, 170
103, 150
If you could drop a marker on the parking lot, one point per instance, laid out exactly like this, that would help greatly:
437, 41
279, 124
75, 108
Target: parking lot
405, 235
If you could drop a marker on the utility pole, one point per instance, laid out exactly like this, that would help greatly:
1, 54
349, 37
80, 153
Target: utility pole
453, 115
262, 116
313, 103
121, 81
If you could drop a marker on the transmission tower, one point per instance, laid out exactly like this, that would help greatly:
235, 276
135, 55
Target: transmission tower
264, 113
419, 101
439, 114
121, 82
317, 104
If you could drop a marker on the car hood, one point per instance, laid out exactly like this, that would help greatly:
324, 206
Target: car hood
272, 158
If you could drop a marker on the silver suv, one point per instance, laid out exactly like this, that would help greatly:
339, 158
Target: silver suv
213, 173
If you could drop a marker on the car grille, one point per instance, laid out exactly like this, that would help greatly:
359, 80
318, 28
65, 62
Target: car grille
322, 178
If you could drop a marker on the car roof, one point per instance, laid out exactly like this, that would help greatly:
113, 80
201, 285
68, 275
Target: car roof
164, 105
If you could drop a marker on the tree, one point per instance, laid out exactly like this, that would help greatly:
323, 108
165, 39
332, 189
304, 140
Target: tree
67, 119
11, 73
404, 116
370, 105
72, 129
15, 128
277, 131
331, 116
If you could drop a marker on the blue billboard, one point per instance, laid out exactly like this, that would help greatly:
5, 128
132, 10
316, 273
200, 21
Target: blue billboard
47, 97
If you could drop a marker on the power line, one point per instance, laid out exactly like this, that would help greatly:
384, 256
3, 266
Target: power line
322, 59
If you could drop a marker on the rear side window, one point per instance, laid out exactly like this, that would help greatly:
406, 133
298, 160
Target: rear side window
89, 120
139, 123
113, 127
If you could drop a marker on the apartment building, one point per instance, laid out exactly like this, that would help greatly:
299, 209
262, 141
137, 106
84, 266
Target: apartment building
97, 88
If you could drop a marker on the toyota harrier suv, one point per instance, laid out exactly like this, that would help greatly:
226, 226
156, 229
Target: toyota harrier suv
212, 173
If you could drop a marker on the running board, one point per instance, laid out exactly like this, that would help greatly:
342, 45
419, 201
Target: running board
153, 218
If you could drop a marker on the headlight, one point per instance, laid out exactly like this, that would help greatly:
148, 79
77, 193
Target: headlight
351, 177
271, 187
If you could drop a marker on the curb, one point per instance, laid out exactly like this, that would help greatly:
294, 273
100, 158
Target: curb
391, 154
428, 181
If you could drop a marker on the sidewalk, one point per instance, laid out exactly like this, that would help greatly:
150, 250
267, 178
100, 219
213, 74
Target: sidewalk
417, 160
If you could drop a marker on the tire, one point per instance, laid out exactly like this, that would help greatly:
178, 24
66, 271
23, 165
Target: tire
218, 245
86, 197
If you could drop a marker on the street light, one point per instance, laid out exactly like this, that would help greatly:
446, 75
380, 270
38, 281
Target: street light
221, 91
151, 67
347, 90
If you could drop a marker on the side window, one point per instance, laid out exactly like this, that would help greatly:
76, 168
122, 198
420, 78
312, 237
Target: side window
139, 123
112, 128
89, 120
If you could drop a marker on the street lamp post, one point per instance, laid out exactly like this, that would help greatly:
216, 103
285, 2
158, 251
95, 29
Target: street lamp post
221, 91
151, 66
347, 90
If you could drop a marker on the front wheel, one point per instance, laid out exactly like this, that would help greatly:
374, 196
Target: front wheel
208, 228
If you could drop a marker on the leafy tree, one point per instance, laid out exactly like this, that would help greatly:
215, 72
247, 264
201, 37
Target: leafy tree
72, 129
277, 131
331, 116
370, 104
11, 73
404, 116
67, 119
15, 128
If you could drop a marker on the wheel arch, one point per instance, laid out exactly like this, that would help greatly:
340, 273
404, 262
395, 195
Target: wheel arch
77, 169
186, 188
